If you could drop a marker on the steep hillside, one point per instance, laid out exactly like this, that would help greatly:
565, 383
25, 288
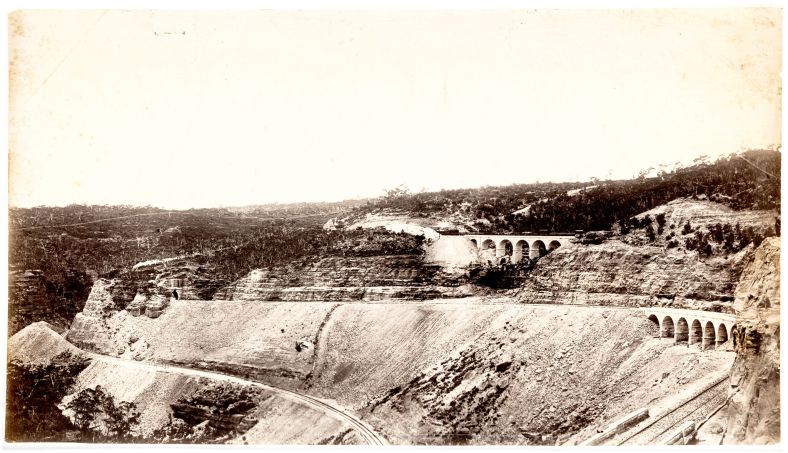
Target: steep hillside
453, 373
254, 339
633, 269
243, 414
434, 372
754, 411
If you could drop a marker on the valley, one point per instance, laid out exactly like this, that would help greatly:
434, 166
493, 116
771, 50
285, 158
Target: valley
391, 327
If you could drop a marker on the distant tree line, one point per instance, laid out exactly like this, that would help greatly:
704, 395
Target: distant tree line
749, 180
733, 181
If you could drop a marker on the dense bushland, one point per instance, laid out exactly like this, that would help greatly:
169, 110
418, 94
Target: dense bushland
225, 244
32, 413
32, 395
750, 180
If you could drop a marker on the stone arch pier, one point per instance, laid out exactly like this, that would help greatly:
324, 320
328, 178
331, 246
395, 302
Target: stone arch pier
517, 247
706, 329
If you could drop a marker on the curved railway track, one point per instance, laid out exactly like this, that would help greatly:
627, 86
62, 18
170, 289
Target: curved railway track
364, 431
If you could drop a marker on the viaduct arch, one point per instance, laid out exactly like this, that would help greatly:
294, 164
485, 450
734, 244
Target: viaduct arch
694, 327
518, 246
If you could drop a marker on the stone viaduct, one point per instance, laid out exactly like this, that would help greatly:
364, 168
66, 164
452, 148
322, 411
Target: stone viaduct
517, 246
707, 328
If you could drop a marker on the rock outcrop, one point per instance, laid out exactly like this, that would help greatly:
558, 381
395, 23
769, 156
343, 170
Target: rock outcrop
55, 298
631, 270
701, 213
368, 278
616, 273
754, 410
101, 325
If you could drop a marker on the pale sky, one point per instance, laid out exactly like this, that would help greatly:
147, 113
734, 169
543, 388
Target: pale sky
179, 109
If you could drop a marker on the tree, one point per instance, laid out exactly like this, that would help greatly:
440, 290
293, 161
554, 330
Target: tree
120, 419
660, 222
730, 241
623, 224
95, 411
705, 247
177, 430
86, 407
397, 192
687, 228
747, 236
717, 233
650, 233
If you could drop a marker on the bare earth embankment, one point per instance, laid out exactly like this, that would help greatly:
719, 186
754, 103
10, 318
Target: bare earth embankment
452, 371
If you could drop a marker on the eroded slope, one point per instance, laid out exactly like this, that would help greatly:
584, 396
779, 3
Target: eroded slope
468, 370
502, 373
754, 411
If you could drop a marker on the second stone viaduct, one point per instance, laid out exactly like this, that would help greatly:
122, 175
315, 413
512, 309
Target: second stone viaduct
517, 246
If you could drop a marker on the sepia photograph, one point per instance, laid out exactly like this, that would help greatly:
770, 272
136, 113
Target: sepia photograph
411, 227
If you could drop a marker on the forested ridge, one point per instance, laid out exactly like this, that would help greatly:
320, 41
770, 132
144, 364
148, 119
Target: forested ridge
748, 180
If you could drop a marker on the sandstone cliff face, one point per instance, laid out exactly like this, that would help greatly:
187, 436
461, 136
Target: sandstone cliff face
616, 273
34, 296
632, 270
149, 292
754, 410
101, 322
701, 213
368, 278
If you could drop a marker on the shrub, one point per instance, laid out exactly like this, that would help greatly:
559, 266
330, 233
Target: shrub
650, 233
95, 412
660, 222
32, 395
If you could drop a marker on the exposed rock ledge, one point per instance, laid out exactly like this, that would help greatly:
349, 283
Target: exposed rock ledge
369, 278
616, 273
754, 410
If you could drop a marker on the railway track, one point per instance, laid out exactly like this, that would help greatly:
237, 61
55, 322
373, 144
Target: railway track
657, 429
